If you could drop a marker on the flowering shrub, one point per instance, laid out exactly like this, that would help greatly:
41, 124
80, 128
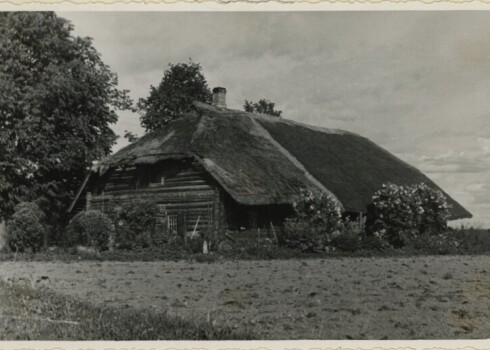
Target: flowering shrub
26, 229
398, 214
435, 209
316, 220
90, 228
135, 224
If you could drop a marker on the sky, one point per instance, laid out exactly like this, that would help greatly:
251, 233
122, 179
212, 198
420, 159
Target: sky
416, 83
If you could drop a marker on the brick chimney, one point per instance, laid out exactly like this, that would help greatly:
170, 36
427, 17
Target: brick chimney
219, 97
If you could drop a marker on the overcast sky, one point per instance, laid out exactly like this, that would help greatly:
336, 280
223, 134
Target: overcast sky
416, 83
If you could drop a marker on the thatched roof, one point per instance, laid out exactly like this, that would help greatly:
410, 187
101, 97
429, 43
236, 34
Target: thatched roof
266, 160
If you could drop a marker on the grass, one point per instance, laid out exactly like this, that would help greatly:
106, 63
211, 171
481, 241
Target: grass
244, 253
40, 314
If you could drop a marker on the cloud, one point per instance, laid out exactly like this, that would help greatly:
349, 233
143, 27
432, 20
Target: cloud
451, 161
481, 193
484, 143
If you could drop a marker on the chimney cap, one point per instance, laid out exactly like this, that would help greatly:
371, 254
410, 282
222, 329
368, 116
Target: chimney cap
219, 89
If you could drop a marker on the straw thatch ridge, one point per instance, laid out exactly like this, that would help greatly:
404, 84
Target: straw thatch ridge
261, 160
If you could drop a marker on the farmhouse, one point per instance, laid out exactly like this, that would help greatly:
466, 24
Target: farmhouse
224, 169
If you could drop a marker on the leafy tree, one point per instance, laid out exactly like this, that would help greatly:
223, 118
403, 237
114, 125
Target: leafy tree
263, 106
130, 136
57, 101
181, 84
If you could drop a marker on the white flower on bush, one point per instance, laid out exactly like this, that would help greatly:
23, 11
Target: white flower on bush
404, 211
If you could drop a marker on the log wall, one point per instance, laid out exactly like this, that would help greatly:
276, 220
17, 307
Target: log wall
186, 194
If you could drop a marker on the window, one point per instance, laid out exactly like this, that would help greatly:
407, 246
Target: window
172, 222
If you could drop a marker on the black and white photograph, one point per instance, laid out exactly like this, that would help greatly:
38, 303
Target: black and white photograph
244, 175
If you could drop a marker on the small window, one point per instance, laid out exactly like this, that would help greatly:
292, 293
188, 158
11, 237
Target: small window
172, 222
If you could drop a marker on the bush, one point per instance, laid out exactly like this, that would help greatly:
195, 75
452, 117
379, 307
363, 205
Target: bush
206, 258
374, 243
442, 243
350, 237
398, 214
434, 211
316, 220
135, 225
195, 245
26, 229
347, 241
90, 228
471, 240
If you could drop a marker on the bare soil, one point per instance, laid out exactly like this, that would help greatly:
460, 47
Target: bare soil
353, 298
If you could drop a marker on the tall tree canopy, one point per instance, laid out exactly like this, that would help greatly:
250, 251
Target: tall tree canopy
181, 84
57, 101
263, 106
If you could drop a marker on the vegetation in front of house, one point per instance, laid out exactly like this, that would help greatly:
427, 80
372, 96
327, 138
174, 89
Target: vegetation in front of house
40, 314
460, 241
135, 225
91, 228
317, 219
26, 229
402, 220
400, 214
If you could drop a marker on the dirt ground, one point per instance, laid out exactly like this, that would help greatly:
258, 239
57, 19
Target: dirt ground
353, 298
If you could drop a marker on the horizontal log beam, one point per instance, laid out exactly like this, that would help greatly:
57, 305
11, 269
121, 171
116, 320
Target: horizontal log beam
124, 177
184, 205
183, 178
173, 184
145, 191
187, 173
119, 187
